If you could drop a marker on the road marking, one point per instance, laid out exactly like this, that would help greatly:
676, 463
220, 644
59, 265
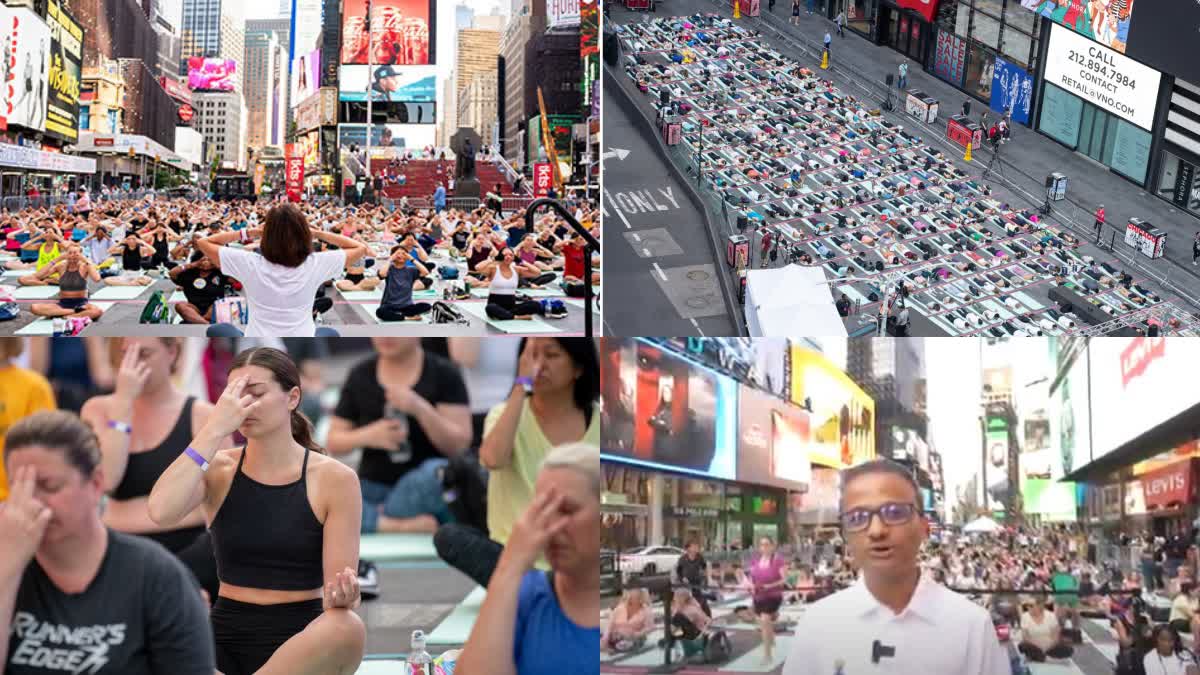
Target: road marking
693, 319
658, 269
648, 254
636, 237
619, 153
618, 210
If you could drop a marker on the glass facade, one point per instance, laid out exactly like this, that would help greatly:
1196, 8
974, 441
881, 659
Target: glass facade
1087, 129
1179, 182
973, 33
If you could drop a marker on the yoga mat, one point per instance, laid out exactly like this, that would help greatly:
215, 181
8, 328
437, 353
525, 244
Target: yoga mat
16, 273
371, 307
627, 658
578, 302
35, 292
534, 325
177, 296
388, 667
119, 292
456, 627
352, 296
379, 547
752, 661
45, 325
531, 292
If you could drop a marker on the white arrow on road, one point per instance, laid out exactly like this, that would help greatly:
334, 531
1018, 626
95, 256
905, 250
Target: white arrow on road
619, 153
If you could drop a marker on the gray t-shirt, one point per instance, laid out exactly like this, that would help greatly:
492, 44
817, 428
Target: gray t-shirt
141, 615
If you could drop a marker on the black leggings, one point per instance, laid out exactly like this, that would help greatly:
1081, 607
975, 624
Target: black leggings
247, 635
402, 313
198, 557
1037, 655
540, 280
505, 307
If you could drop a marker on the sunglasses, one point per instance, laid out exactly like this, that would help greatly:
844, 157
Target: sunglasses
892, 514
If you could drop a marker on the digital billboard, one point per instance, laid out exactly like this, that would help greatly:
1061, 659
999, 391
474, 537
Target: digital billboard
308, 147
660, 409
402, 32
387, 83
27, 40
306, 76
820, 504
758, 362
843, 416
388, 141
1070, 416
306, 23
997, 444
1105, 21
562, 13
1160, 35
66, 64
211, 74
1129, 379
773, 441
1102, 77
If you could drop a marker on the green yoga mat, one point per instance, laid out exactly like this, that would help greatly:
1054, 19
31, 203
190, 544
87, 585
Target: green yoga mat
456, 627
519, 326
531, 292
379, 547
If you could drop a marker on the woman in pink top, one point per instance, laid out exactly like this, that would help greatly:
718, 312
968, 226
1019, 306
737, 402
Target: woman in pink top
767, 573
631, 622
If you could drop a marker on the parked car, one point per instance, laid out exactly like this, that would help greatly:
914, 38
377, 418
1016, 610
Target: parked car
648, 560
610, 581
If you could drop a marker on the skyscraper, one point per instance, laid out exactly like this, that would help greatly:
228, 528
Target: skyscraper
265, 89
213, 28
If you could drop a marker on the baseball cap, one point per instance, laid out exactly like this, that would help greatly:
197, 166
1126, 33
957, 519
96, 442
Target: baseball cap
386, 71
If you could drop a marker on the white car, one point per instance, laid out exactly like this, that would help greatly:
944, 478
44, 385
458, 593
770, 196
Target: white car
649, 560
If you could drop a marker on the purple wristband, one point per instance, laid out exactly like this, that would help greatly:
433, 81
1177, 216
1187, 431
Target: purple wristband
197, 458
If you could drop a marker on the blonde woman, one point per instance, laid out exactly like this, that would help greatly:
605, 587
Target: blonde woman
631, 622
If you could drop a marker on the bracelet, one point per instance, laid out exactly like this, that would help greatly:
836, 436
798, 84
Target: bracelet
197, 458
120, 426
526, 384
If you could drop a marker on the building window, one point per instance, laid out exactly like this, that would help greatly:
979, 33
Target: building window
986, 29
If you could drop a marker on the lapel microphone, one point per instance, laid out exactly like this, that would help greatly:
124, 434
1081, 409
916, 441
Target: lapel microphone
881, 651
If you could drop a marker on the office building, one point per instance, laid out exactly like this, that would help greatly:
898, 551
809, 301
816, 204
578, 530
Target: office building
222, 118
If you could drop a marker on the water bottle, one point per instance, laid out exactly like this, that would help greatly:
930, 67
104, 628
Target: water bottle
404, 454
60, 325
419, 660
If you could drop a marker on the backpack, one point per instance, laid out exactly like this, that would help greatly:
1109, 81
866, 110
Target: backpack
443, 312
464, 488
156, 310
446, 272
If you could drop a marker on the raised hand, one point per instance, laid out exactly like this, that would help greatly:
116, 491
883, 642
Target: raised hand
232, 408
23, 517
535, 528
131, 375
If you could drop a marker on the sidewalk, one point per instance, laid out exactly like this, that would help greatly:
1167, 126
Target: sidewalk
859, 67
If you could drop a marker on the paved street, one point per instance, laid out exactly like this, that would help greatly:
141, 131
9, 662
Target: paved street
659, 264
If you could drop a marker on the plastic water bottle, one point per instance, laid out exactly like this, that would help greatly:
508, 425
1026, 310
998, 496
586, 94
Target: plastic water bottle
404, 454
60, 325
419, 660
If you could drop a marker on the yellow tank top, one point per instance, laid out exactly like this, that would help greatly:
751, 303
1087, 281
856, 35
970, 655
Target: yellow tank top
47, 257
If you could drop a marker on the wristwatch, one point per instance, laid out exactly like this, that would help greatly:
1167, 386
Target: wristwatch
526, 383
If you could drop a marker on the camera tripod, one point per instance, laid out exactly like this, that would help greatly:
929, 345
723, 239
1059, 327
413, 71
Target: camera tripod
994, 166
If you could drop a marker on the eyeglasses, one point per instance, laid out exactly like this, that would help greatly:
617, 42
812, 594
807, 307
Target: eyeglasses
892, 514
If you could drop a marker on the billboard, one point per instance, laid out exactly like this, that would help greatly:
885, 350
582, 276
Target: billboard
66, 64
773, 441
1070, 415
1129, 379
211, 74
1102, 77
1105, 21
402, 32
1158, 36
307, 19
308, 148
306, 76
820, 504
388, 141
1012, 90
660, 409
27, 39
413, 84
562, 13
843, 416
996, 441
318, 110
175, 89
758, 362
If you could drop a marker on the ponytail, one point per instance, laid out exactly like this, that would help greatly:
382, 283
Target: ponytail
302, 432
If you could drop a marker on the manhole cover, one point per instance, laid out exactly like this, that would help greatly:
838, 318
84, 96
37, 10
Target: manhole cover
698, 303
698, 275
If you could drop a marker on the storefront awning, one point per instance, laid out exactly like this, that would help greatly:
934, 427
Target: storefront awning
21, 157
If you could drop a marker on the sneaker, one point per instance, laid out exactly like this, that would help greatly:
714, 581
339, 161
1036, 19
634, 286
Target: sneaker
557, 310
368, 580
322, 305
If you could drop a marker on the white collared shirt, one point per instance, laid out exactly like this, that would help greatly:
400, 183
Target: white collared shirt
939, 633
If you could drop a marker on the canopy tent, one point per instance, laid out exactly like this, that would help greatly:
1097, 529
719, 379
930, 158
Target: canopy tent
791, 300
982, 524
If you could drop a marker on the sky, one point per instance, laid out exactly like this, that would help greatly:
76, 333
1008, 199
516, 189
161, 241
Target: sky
952, 367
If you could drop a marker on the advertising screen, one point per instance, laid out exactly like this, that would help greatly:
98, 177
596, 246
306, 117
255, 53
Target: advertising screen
307, 20
308, 146
211, 74
843, 416
1105, 21
758, 362
66, 63
562, 13
1037, 458
1070, 417
27, 39
387, 83
402, 32
1102, 77
773, 441
388, 141
996, 439
1052, 500
306, 76
1129, 377
660, 409
1160, 33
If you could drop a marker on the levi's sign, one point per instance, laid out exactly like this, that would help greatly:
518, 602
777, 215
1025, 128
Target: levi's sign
1102, 77
1136, 358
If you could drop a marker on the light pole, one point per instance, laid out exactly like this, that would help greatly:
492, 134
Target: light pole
370, 93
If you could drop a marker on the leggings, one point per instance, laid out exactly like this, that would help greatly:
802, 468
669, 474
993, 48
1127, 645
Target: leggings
505, 307
402, 313
247, 635
541, 279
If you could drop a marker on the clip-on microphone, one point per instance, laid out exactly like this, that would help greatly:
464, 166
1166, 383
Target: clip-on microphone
881, 651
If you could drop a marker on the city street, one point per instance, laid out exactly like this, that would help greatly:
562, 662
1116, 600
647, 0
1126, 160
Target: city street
975, 303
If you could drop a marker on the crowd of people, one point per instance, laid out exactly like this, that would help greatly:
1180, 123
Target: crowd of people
186, 517
818, 176
218, 254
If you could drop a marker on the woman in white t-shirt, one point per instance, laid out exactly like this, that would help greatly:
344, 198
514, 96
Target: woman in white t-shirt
281, 282
1168, 656
1041, 635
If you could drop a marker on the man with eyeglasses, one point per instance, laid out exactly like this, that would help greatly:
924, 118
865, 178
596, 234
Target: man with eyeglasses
892, 620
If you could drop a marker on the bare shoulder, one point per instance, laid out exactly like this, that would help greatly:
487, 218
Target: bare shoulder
329, 471
96, 407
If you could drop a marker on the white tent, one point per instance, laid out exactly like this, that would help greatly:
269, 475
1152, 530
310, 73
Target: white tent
791, 300
982, 524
